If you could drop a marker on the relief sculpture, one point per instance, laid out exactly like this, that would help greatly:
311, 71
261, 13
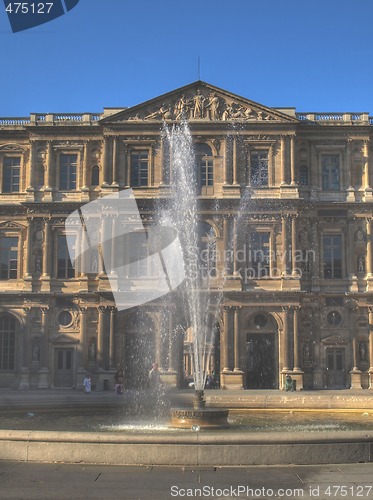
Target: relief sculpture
211, 107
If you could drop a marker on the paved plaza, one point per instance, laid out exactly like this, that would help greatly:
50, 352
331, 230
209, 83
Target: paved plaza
69, 482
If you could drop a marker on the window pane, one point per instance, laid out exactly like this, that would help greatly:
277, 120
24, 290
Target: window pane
8, 257
332, 253
330, 172
11, 174
68, 167
260, 254
259, 168
139, 168
64, 265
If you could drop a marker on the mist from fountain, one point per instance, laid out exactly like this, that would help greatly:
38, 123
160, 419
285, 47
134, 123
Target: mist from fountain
182, 215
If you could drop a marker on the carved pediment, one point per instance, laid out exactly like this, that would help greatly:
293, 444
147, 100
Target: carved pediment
199, 102
335, 340
10, 224
12, 148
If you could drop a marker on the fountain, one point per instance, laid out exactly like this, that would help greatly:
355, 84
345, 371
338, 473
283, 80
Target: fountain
182, 216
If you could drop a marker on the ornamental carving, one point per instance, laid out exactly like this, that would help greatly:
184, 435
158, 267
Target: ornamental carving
11, 225
204, 105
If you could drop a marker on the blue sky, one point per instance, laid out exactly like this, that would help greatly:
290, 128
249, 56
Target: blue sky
313, 55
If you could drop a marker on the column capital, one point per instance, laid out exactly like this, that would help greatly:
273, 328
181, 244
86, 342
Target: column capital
44, 310
83, 309
102, 309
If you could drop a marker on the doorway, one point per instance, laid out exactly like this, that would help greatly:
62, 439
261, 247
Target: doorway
335, 369
261, 361
63, 367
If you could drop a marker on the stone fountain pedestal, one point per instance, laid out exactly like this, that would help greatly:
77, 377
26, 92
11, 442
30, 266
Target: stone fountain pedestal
199, 416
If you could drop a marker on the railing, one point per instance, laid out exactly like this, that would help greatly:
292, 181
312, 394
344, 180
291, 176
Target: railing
14, 121
325, 118
52, 119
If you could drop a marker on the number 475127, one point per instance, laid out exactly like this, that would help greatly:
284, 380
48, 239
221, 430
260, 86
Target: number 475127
29, 8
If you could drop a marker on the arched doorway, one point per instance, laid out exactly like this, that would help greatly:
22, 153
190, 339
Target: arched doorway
139, 351
262, 353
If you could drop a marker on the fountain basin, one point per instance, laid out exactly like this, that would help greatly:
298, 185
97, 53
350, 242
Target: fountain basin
187, 449
201, 418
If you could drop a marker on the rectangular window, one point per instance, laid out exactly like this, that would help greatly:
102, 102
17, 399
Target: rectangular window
8, 258
330, 172
68, 168
332, 251
260, 254
11, 174
207, 173
65, 268
259, 168
139, 168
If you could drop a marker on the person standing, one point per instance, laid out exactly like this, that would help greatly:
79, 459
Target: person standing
87, 384
155, 381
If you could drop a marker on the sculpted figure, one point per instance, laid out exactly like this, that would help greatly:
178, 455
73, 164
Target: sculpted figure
164, 113
181, 108
213, 106
227, 113
199, 105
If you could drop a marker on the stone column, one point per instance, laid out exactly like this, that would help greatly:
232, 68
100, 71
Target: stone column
283, 160
114, 246
127, 166
30, 172
228, 250
285, 246
366, 164
225, 346
285, 316
86, 177
355, 372
369, 247
48, 173
349, 165
101, 354
294, 271
235, 165
236, 339
235, 247
105, 147
112, 346
297, 367
355, 354
44, 364
28, 263
83, 358
370, 325
292, 161
114, 174
225, 172
25, 360
248, 166
46, 248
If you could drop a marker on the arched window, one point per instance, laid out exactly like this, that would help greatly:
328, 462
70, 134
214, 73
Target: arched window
7, 342
205, 168
95, 176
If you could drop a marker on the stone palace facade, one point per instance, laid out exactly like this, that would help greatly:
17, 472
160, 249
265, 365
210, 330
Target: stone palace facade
297, 286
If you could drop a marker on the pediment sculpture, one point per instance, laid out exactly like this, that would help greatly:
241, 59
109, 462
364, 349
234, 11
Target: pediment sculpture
204, 106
